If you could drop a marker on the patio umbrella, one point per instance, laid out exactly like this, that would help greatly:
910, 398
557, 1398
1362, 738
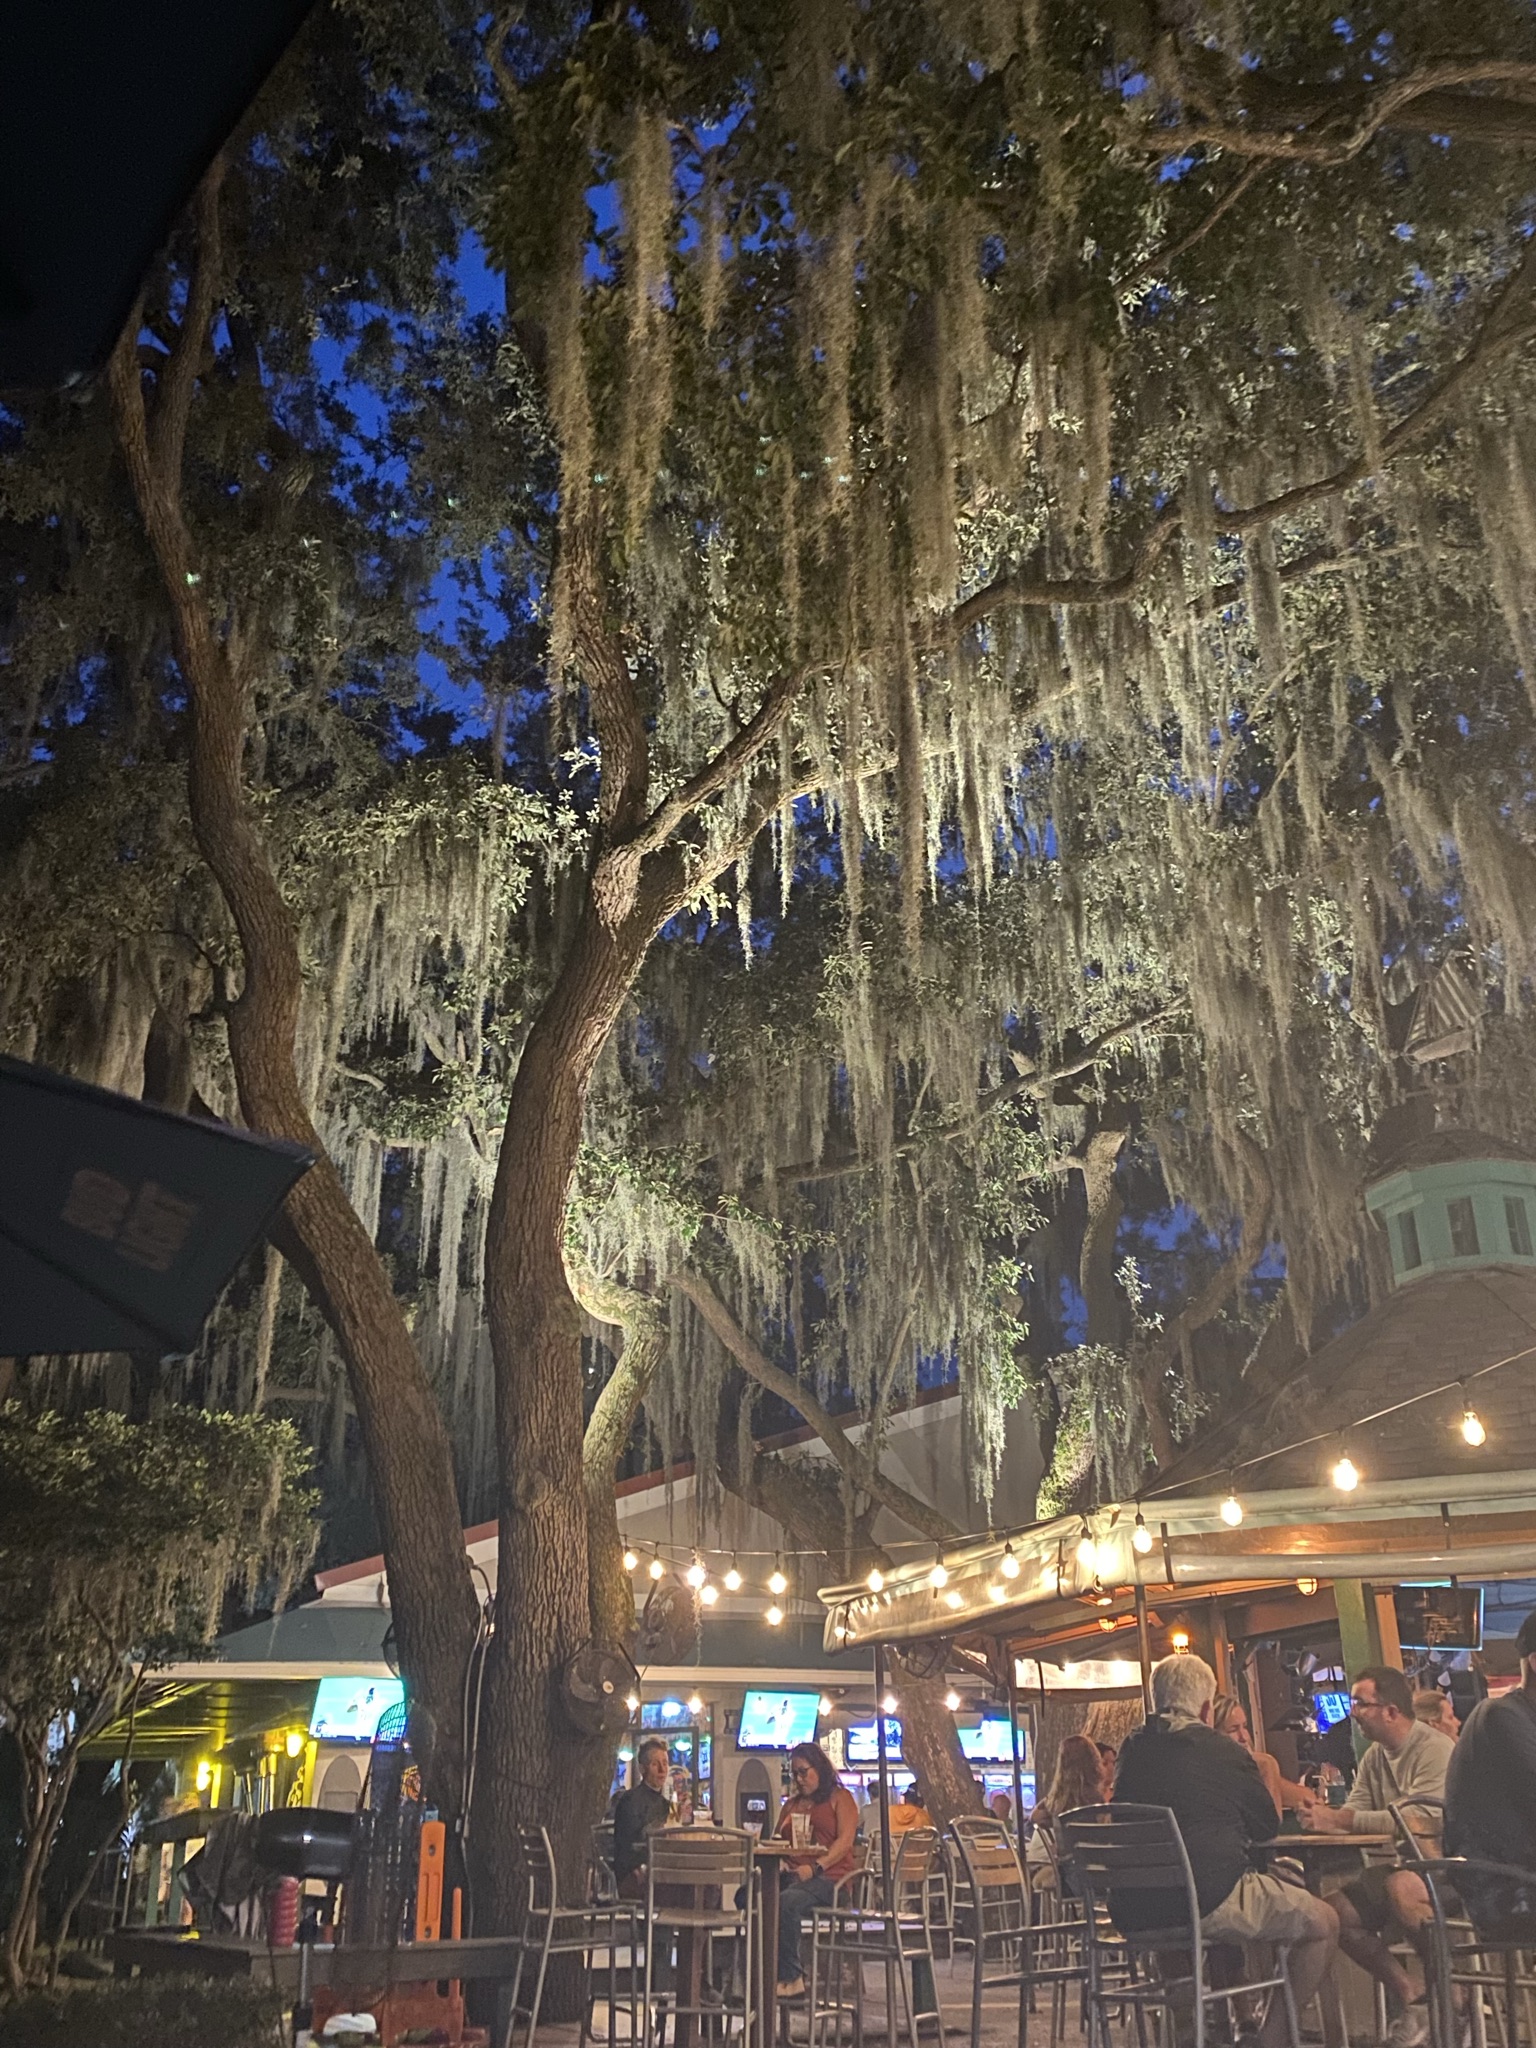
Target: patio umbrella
119, 1223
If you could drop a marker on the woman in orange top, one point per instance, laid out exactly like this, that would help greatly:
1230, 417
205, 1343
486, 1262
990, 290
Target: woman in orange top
834, 1821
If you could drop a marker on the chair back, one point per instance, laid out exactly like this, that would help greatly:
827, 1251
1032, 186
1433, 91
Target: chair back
1000, 1902
1133, 1848
714, 1857
917, 1858
1404, 1814
537, 1854
604, 1885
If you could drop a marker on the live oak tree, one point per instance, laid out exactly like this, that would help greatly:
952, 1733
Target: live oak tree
118, 1543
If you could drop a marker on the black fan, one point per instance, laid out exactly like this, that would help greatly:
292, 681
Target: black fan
595, 1688
925, 1660
668, 1629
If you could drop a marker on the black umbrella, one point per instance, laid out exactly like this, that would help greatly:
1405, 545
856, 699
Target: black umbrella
120, 1223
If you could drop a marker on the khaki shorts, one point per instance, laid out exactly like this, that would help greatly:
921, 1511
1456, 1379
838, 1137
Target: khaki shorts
1260, 1908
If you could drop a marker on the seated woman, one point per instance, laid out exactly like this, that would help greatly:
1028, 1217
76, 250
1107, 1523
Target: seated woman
810, 1880
1229, 1717
1079, 1781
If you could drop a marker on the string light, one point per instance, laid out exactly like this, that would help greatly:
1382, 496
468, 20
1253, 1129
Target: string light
696, 1574
1088, 1551
695, 1705
1472, 1429
1346, 1474
954, 1599
1306, 1587
630, 1560
995, 1591
952, 1701
657, 1568
1178, 1639
774, 1616
709, 1593
1232, 1509
633, 1703
876, 1579
1141, 1536
777, 1583
1009, 1566
733, 1578
889, 1704
939, 1576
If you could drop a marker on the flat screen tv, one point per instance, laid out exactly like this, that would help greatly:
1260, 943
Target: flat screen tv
775, 1719
863, 1744
1439, 1617
988, 1744
1331, 1707
350, 1709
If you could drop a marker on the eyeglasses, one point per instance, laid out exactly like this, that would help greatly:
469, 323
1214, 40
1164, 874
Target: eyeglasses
1365, 1706
802, 1771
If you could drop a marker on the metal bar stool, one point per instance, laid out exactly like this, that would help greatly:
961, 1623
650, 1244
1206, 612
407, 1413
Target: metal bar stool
552, 1929
845, 1938
1012, 1948
699, 1890
1499, 1969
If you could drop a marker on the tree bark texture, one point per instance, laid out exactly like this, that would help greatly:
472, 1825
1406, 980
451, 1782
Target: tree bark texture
644, 1324
405, 1442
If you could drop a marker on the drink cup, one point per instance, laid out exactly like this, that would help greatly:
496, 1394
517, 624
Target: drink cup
800, 1830
1336, 1793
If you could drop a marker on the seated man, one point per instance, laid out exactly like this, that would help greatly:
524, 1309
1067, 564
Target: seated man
909, 1811
1490, 1802
644, 1807
1406, 1761
1223, 1808
1434, 1708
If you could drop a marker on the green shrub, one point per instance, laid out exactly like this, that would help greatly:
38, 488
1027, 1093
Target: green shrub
146, 2012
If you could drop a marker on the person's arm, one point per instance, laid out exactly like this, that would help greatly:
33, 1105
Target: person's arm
1260, 1814
1269, 1771
841, 1844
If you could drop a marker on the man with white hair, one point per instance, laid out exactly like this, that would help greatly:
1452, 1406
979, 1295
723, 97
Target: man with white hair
1223, 1809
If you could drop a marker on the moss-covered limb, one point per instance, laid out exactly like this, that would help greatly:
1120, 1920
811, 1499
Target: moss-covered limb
644, 1323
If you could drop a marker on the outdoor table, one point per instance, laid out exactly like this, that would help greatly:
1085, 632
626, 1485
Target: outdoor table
1338, 1857
768, 1848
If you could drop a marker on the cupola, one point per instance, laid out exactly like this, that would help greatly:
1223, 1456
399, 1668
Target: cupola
1456, 1199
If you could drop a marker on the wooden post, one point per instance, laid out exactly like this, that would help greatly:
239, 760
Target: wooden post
1144, 1649
1013, 1743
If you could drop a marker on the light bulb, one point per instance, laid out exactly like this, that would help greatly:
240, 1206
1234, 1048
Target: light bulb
630, 1560
1141, 1538
696, 1575
824, 1705
777, 1583
733, 1579
876, 1580
657, 1568
1050, 1578
774, 1616
952, 1701
954, 1599
633, 1703
1232, 1511
294, 1742
1178, 1639
1472, 1427
695, 1705
1306, 1587
996, 1590
939, 1576
1088, 1553
709, 1594
888, 1704
1009, 1567
1346, 1476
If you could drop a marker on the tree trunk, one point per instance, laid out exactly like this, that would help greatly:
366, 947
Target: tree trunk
410, 1464
644, 1324
931, 1745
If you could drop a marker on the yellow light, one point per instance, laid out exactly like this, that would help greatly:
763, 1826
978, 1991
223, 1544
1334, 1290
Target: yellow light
1179, 1638
774, 1616
954, 1600
696, 1575
1141, 1538
630, 1560
733, 1579
1472, 1427
876, 1580
657, 1568
824, 1705
939, 1576
295, 1741
995, 1591
889, 1704
1346, 1475
1088, 1553
777, 1583
1009, 1567
695, 1705
204, 1775
1232, 1511
952, 1701
633, 1703
1050, 1578
1306, 1587
709, 1594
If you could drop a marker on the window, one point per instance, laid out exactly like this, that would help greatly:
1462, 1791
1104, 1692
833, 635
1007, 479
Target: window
1518, 1217
1463, 1221
1408, 1240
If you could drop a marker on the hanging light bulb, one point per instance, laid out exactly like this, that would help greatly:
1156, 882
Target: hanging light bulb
1088, 1551
1178, 1640
633, 1703
777, 1583
1009, 1564
630, 1560
1306, 1587
824, 1706
1472, 1429
657, 1568
952, 1701
1232, 1509
939, 1576
1141, 1536
889, 1704
954, 1599
709, 1593
996, 1590
876, 1579
696, 1574
695, 1705
1346, 1474
733, 1578
774, 1616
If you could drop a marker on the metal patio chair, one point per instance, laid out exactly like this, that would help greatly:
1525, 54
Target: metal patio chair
1498, 1972
551, 1928
847, 1937
1012, 1947
694, 1878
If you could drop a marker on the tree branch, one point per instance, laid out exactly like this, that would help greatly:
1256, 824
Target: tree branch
177, 381
764, 726
889, 1492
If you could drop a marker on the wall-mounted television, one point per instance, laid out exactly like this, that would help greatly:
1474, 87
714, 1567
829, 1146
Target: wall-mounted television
1439, 1617
350, 1709
989, 1743
774, 1719
1330, 1708
863, 1743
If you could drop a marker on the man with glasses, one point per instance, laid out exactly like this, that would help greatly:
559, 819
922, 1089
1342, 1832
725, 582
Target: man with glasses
1406, 1761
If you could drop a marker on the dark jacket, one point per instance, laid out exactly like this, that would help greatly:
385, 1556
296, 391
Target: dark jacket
1490, 1808
1218, 1799
639, 1810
